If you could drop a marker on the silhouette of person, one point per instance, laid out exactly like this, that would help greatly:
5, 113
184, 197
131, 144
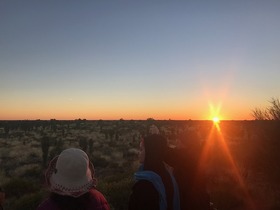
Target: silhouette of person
155, 187
70, 179
184, 159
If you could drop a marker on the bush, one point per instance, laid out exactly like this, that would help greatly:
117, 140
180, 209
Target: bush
28, 202
33, 173
117, 192
17, 187
99, 161
272, 112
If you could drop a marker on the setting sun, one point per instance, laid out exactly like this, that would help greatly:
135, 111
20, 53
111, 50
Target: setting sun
215, 112
216, 119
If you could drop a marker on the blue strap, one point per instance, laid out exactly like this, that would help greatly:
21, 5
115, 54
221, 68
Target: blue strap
176, 196
156, 180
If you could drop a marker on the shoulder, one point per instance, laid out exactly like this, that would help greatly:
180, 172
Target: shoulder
144, 196
144, 189
98, 200
143, 185
97, 195
46, 205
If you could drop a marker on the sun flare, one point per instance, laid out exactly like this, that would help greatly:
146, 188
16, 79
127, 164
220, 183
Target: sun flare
215, 115
216, 119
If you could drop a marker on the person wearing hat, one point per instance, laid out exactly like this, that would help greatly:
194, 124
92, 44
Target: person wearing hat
155, 187
70, 179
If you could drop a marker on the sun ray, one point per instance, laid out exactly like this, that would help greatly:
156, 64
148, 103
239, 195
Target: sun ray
215, 112
216, 139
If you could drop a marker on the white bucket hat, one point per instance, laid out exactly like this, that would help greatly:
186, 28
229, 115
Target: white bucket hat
71, 173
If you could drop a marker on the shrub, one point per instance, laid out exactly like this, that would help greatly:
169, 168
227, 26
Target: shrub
117, 192
28, 201
99, 161
33, 173
17, 187
272, 112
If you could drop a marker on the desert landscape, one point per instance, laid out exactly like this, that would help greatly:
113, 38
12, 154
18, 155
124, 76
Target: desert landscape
242, 160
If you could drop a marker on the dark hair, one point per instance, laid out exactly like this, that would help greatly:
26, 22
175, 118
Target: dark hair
188, 173
155, 152
70, 203
155, 149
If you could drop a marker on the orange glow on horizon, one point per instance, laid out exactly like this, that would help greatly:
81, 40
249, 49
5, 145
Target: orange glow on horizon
45, 110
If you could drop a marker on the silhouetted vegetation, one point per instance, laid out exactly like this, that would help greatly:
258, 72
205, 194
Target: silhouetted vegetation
271, 112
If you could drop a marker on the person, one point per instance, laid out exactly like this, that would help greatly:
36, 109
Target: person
155, 187
2, 198
72, 185
192, 182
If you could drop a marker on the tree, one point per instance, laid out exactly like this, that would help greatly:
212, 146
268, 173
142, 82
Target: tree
271, 112
274, 109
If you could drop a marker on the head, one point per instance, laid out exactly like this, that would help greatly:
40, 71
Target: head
152, 150
71, 173
153, 129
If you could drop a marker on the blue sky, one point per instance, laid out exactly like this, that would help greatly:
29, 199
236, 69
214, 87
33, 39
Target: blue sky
138, 59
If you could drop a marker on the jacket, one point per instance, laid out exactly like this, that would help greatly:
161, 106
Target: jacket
96, 201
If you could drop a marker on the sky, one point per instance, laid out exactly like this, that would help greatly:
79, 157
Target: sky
101, 59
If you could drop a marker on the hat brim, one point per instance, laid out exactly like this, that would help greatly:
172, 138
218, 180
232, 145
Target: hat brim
63, 189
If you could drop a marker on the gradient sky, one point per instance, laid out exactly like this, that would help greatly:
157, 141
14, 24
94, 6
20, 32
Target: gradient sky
138, 59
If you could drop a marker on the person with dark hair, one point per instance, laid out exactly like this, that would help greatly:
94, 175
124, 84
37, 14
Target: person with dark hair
155, 187
2, 198
71, 181
184, 159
